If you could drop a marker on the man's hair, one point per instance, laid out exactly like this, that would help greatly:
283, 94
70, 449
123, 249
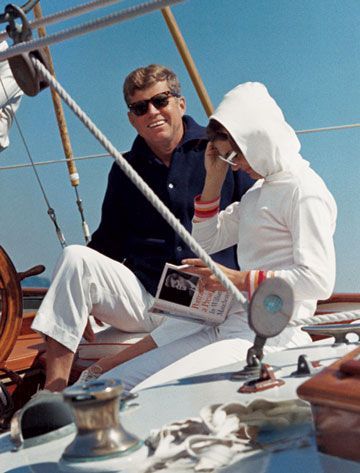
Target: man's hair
145, 77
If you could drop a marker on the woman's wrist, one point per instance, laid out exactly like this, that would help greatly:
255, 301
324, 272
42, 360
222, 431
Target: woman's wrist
241, 280
212, 188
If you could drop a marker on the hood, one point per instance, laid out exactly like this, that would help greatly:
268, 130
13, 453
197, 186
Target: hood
258, 127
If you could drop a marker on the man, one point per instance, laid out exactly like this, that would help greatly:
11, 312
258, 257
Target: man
117, 282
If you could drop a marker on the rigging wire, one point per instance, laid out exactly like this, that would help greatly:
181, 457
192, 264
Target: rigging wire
54, 161
29, 5
66, 14
64, 135
329, 128
50, 211
104, 155
90, 26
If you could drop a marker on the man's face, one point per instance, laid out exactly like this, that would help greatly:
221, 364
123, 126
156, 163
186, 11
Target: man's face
161, 127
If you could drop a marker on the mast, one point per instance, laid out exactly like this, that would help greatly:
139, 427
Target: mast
65, 138
188, 60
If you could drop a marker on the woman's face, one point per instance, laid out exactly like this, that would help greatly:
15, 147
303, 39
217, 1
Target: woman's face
225, 148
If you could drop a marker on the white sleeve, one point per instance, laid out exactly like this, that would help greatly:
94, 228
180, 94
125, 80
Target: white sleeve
10, 96
312, 224
218, 232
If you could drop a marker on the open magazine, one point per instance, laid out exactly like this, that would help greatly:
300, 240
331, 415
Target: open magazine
178, 295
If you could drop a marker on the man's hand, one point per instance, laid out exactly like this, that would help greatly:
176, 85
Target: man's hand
210, 282
89, 334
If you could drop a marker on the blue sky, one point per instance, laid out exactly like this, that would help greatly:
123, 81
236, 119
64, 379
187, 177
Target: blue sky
307, 53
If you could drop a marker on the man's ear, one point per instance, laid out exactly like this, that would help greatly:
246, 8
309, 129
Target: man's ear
182, 103
131, 118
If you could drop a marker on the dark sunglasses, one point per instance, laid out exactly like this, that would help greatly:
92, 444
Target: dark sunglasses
159, 101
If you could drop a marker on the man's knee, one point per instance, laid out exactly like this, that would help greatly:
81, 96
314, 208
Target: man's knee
72, 260
74, 254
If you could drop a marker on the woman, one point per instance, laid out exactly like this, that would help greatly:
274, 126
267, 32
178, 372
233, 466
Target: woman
283, 226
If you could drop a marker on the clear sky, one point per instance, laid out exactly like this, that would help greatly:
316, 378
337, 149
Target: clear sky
306, 52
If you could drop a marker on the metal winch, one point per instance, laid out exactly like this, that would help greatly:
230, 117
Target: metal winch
101, 443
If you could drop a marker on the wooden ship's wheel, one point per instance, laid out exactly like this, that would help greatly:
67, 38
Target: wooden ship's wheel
11, 307
16, 359
11, 303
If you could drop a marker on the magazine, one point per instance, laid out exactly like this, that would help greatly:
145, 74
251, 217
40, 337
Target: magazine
178, 295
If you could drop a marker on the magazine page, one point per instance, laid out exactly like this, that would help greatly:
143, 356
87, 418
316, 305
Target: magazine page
178, 295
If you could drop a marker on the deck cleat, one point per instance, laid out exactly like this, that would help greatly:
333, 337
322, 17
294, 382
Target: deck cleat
338, 331
101, 443
266, 380
305, 367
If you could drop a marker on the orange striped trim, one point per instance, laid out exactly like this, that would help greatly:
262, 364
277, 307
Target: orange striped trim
205, 209
254, 278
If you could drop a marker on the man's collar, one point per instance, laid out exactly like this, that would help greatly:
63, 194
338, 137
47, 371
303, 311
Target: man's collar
193, 131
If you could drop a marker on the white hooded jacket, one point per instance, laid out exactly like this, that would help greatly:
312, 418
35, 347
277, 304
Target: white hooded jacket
286, 221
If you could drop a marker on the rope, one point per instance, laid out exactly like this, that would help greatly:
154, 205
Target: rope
66, 14
94, 25
326, 318
50, 211
140, 183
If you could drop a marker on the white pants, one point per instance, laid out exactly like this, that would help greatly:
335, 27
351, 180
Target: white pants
87, 282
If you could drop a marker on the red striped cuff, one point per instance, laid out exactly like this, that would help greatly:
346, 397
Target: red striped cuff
205, 209
255, 278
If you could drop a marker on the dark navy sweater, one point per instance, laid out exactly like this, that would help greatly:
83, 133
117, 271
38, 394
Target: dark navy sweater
133, 232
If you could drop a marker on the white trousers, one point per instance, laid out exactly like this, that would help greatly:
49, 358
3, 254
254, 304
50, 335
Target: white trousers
87, 282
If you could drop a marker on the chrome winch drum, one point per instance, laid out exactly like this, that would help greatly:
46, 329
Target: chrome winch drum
101, 443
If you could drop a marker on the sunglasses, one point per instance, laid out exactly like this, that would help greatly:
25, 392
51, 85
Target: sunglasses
158, 101
228, 158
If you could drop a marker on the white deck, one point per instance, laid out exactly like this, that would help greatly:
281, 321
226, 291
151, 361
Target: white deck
184, 398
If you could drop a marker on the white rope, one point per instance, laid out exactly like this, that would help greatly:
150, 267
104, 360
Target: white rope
328, 128
66, 14
326, 318
94, 25
140, 183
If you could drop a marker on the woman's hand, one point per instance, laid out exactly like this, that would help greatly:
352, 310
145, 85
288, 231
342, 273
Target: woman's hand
214, 165
216, 171
209, 281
